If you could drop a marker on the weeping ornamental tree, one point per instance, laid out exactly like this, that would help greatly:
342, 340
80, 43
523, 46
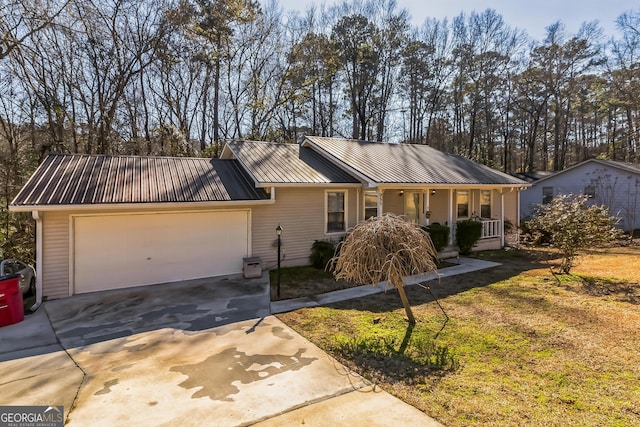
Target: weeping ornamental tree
572, 226
385, 248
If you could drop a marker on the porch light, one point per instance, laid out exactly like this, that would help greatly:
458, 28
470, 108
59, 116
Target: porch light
433, 192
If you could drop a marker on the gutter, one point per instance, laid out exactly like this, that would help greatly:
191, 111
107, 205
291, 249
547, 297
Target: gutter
132, 206
36, 216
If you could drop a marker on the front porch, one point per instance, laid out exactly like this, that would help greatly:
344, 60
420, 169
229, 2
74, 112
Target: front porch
447, 206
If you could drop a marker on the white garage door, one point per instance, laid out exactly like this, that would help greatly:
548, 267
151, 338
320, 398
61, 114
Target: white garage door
119, 251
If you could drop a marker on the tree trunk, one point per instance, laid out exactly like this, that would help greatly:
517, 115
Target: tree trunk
405, 303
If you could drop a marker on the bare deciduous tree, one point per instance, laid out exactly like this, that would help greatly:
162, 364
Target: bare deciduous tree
385, 248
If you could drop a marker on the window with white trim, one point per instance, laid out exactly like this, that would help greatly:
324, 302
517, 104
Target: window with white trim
462, 202
485, 203
370, 204
590, 191
336, 212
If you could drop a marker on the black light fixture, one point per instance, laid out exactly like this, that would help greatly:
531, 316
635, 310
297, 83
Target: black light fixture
279, 233
433, 192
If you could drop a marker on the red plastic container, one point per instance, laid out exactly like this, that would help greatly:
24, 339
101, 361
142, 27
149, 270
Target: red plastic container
11, 304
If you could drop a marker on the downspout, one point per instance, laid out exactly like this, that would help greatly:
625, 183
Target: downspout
36, 216
502, 218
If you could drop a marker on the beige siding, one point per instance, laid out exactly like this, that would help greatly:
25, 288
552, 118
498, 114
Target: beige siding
55, 255
438, 206
301, 213
511, 206
393, 202
56, 240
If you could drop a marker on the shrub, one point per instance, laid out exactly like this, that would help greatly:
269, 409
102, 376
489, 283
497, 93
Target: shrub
573, 226
439, 235
468, 233
321, 252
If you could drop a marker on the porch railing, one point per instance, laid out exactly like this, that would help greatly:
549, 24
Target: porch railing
491, 228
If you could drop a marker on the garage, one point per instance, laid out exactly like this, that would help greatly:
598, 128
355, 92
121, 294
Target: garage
123, 250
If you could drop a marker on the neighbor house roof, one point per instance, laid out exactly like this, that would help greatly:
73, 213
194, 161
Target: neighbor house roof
84, 180
385, 163
532, 176
286, 164
627, 167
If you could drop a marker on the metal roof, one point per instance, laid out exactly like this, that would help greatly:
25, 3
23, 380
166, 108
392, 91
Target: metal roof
75, 179
277, 164
385, 163
532, 177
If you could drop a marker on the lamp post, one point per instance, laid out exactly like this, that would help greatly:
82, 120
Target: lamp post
279, 233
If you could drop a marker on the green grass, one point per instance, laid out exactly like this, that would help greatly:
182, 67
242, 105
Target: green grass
520, 348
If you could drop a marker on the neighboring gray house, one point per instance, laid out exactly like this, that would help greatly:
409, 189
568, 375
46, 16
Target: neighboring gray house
107, 222
615, 185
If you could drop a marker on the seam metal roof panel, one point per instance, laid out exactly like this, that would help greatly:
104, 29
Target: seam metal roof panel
409, 163
77, 179
277, 163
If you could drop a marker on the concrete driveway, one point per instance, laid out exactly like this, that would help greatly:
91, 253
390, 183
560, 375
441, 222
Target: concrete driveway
203, 352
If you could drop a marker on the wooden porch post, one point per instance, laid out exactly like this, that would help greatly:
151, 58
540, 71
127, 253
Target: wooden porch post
502, 218
427, 201
380, 195
450, 216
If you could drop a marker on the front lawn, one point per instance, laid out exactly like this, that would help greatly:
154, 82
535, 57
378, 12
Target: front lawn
304, 281
522, 346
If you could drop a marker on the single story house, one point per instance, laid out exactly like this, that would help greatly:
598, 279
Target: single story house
107, 222
613, 184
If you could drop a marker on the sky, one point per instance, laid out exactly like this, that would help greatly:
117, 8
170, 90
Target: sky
530, 15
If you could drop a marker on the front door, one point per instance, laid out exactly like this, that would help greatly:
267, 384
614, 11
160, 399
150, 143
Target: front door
412, 206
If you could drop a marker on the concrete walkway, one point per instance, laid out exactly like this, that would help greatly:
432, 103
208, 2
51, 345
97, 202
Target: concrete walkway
465, 265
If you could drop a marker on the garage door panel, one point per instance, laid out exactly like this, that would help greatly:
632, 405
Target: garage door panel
119, 251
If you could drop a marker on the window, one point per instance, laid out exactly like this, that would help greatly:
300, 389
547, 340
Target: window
547, 195
462, 201
336, 213
590, 191
370, 204
485, 204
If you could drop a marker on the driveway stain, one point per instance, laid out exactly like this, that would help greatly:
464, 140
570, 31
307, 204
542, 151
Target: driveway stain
84, 331
279, 331
122, 368
128, 344
107, 387
174, 313
216, 381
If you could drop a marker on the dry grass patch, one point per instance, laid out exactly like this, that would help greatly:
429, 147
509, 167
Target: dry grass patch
523, 347
304, 281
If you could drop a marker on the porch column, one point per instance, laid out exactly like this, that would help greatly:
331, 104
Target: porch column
502, 218
380, 195
427, 200
450, 216
517, 217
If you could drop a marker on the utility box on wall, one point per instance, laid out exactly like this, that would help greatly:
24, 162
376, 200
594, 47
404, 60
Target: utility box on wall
251, 267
